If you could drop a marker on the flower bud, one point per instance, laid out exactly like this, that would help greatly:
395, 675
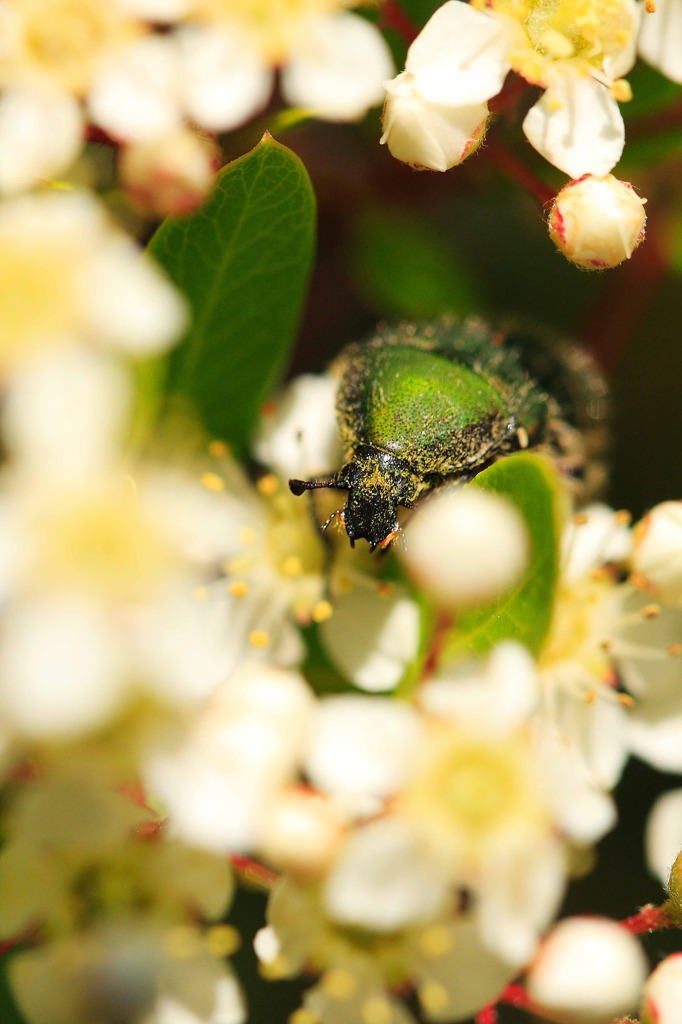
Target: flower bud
657, 552
663, 993
170, 176
464, 546
597, 222
588, 970
427, 135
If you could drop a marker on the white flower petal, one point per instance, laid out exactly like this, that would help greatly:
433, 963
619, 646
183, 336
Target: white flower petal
424, 134
660, 40
663, 836
60, 667
129, 302
64, 416
364, 745
224, 77
597, 536
495, 696
300, 437
459, 57
577, 126
41, 132
337, 67
372, 637
467, 975
135, 94
381, 880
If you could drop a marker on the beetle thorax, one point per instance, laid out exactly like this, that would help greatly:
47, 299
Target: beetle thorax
377, 482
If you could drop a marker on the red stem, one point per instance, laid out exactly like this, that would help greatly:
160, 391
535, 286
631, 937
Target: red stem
252, 872
509, 163
649, 919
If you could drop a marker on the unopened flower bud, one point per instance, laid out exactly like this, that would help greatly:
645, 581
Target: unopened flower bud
674, 904
170, 176
597, 222
302, 833
588, 970
657, 552
427, 135
663, 993
465, 546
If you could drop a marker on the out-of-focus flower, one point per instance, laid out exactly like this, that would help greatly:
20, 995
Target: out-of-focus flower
222, 781
69, 276
464, 546
169, 176
657, 552
587, 971
663, 837
662, 995
597, 222
660, 39
437, 766
52, 55
127, 969
577, 52
453, 973
97, 587
333, 61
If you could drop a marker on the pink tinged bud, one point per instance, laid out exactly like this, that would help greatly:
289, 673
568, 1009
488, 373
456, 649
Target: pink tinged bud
657, 552
588, 970
597, 222
663, 993
427, 135
170, 176
464, 546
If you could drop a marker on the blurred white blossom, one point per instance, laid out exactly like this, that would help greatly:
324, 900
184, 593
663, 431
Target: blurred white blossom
660, 39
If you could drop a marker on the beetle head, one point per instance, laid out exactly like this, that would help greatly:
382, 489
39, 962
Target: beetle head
377, 483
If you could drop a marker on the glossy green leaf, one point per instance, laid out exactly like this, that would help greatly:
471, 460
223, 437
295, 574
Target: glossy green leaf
524, 612
408, 267
243, 261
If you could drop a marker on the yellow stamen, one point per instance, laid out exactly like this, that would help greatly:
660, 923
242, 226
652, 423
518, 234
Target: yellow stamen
259, 639
212, 482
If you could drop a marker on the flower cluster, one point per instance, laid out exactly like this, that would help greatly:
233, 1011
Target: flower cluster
197, 672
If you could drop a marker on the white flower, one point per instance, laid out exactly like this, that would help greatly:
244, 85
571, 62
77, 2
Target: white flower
464, 546
663, 837
453, 973
662, 997
576, 52
660, 40
597, 222
587, 971
333, 61
657, 552
69, 276
222, 781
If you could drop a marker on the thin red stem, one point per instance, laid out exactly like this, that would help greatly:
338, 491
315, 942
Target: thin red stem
649, 919
488, 1015
510, 165
253, 873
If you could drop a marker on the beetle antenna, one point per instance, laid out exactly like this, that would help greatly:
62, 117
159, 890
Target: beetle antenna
297, 487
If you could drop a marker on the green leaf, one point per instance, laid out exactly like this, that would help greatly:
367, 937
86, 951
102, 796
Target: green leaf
523, 613
243, 261
408, 267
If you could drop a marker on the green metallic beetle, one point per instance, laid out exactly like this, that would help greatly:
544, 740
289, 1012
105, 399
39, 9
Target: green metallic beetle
421, 404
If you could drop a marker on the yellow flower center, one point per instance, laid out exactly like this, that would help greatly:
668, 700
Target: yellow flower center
63, 39
102, 542
39, 302
583, 31
584, 616
469, 791
275, 22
